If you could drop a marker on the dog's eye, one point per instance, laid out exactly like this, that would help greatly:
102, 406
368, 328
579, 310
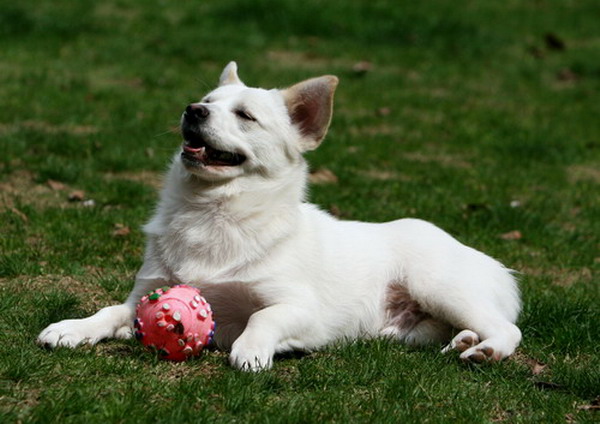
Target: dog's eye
241, 113
207, 100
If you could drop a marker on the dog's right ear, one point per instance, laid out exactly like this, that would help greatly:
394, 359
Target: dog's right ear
229, 75
310, 105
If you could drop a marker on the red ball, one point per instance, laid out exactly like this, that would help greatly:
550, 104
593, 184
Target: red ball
176, 321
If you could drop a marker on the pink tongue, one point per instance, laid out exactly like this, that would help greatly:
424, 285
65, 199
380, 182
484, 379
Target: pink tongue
193, 149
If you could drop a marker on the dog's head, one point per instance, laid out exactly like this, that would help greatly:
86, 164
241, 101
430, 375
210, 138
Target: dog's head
236, 131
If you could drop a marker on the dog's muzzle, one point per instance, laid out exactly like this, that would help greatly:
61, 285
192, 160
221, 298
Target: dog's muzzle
197, 149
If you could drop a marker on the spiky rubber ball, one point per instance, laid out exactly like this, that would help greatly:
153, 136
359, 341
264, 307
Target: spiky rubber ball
175, 321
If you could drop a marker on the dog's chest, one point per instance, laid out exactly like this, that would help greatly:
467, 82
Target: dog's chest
199, 248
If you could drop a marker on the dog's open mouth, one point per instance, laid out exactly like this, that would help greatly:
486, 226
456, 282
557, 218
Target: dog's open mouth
197, 151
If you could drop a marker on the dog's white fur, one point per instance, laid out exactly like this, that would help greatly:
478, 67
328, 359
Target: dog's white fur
282, 274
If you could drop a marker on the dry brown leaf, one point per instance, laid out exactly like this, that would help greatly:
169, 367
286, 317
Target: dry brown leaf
362, 67
19, 214
384, 111
537, 367
121, 230
55, 185
567, 74
533, 364
589, 407
512, 235
323, 176
593, 406
76, 196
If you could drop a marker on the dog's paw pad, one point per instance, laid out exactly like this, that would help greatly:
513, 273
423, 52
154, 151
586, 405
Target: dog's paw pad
466, 342
479, 354
462, 341
488, 351
477, 358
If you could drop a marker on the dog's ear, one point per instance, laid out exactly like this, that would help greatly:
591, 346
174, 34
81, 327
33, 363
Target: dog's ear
310, 105
229, 75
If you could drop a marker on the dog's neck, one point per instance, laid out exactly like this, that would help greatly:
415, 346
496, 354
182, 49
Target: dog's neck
207, 230
241, 200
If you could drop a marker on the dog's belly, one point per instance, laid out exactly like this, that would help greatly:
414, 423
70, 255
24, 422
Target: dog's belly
402, 311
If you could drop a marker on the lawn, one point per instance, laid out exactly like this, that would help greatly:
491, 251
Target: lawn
482, 117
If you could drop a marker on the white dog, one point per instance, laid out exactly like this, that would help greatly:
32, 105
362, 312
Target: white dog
280, 273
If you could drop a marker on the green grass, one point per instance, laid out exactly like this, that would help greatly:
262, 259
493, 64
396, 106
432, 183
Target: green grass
481, 111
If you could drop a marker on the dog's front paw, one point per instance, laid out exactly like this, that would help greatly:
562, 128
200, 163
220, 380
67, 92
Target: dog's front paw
75, 332
251, 357
112, 321
124, 333
68, 333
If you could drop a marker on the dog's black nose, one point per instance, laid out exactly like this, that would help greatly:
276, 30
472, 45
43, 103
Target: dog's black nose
196, 112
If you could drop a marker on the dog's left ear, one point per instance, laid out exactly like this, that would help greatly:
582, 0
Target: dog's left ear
229, 75
310, 105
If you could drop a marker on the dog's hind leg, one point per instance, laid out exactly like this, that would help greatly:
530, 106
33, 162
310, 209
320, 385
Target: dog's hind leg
483, 311
483, 318
486, 334
460, 286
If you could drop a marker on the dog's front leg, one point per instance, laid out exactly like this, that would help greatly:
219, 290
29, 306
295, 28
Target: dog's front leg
112, 321
274, 329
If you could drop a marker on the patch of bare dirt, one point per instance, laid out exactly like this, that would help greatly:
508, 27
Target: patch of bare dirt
173, 371
296, 59
23, 399
382, 128
563, 277
588, 173
21, 187
111, 11
383, 175
47, 128
86, 289
443, 159
149, 178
